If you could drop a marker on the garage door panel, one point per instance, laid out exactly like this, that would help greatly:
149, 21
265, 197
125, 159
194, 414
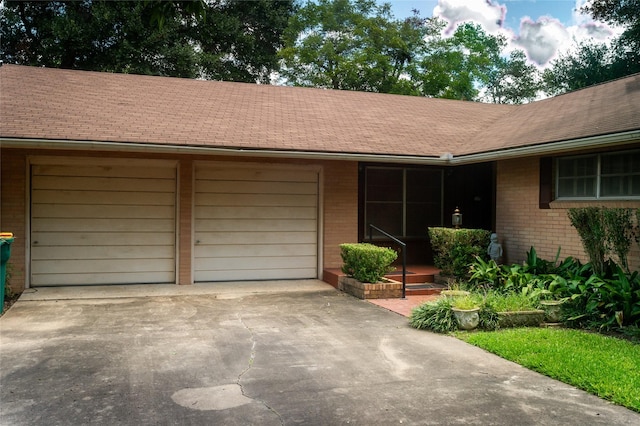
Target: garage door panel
103, 198
80, 211
211, 251
216, 212
240, 174
110, 278
104, 171
256, 225
257, 200
105, 223
80, 183
224, 238
243, 187
103, 252
54, 239
101, 266
247, 262
256, 275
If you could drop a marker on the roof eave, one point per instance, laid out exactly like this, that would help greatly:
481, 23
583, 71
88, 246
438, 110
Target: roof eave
29, 143
551, 148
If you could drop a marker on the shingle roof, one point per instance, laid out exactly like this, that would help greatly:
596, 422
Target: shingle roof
55, 104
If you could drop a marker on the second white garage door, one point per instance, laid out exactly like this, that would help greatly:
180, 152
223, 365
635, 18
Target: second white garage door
255, 223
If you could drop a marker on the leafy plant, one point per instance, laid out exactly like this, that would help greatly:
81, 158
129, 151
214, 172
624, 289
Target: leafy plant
454, 250
511, 302
435, 316
619, 230
466, 302
589, 223
366, 262
484, 272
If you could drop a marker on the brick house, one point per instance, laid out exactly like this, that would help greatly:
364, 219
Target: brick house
112, 178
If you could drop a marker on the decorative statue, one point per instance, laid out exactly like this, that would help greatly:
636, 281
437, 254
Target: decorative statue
495, 248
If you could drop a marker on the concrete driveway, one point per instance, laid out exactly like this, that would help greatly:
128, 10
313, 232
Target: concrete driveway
258, 354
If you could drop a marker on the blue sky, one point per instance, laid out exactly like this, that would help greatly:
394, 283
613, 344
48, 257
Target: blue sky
542, 28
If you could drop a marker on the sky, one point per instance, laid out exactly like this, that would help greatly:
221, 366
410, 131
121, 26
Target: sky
542, 28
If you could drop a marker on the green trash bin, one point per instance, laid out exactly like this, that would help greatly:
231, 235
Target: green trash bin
6, 238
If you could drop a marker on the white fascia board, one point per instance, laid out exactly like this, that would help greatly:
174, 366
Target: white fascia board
552, 148
444, 159
208, 150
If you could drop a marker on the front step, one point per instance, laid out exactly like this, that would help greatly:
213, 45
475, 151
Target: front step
419, 279
425, 289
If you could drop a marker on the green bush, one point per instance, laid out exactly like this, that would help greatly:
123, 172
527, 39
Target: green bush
435, 316
455, 249
366, 262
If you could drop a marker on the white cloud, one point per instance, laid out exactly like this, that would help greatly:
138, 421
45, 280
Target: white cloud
489, 15
542, 40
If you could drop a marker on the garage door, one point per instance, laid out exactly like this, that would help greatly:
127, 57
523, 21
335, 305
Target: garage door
103, 224
255, 223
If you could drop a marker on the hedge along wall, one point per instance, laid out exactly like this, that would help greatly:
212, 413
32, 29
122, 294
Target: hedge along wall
521, 223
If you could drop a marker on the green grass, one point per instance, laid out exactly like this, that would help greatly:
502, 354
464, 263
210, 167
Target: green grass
604, 366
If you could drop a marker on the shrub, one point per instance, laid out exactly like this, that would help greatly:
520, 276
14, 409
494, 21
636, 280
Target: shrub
366, 262
589, 223
455, 249
619, 232
604, 231
435, 316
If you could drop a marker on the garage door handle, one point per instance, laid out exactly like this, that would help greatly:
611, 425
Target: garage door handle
35, 242
197, 241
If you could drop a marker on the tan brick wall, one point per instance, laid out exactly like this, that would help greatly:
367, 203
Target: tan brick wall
13, 210
340, 209
340, 204
185, 222
521, 224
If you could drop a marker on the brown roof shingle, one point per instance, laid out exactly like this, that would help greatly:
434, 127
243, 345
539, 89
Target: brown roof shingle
55, 104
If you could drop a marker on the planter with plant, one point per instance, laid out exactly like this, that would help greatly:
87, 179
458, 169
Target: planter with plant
515, 309
466, 309
366, 265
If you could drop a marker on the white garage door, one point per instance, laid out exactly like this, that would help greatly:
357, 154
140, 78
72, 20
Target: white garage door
102, 223
255, 223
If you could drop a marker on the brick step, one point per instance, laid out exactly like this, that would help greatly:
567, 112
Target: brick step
419, 278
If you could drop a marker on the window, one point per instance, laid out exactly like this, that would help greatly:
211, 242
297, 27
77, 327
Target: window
403, 201
599, 176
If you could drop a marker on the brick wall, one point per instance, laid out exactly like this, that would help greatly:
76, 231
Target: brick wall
340, 209
13, 210
340, 204
520, 223
185, 224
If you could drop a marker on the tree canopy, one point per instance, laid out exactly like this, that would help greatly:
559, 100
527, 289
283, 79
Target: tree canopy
594, 63
359, 45
230, 40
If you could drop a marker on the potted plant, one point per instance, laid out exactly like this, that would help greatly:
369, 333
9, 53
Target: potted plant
515, 309
552, 310
467, 312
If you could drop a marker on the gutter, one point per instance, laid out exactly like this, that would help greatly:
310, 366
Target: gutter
445, 159
592, 142
206, 150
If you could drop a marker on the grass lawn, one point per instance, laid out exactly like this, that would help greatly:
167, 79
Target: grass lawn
604, 366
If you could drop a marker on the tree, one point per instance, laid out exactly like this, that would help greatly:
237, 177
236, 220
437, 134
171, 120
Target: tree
352, 45
589, 64
174, 38
620, 12
513, 81
458, 66
596, 63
